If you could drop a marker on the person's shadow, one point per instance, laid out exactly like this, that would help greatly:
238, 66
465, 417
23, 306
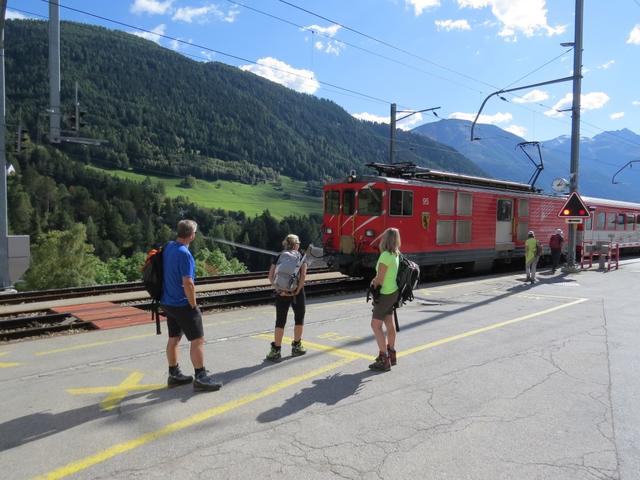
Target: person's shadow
329, 390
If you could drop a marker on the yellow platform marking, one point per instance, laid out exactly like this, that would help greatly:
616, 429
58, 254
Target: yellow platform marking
93, 344
470, 333
340, 352
118, 392
123, 447
7, 364
337, 337
348, 357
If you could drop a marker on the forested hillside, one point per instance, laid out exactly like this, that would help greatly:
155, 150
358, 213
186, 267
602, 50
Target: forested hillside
163, 112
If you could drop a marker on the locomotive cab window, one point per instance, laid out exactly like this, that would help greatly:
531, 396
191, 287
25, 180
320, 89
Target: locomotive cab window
401, 203
504, 211
332, 201
370, 201
348, 202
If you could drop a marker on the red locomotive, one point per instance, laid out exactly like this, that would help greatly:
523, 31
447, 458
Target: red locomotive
449, 220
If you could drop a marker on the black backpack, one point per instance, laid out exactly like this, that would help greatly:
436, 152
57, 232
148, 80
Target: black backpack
152, 277
407, 279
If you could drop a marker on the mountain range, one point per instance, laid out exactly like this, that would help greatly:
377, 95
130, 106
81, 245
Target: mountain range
496, 151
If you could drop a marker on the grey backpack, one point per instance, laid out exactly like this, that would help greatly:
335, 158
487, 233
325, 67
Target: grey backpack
287, 269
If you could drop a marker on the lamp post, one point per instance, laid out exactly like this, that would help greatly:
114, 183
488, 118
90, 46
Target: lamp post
392, 136
4, 221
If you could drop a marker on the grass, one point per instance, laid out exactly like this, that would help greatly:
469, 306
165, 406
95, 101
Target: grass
281, 201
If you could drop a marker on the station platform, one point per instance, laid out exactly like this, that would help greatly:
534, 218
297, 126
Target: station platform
496, 379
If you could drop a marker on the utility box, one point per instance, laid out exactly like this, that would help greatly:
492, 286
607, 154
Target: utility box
19, 256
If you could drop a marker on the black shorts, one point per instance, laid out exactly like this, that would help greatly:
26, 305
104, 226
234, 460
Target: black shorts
185, 320
383, 305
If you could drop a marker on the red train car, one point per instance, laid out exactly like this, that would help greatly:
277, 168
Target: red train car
448, 220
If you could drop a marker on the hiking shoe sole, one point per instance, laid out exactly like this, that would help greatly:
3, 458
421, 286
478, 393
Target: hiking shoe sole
177, 383
200, 387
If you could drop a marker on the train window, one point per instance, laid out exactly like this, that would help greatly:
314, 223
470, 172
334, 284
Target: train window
620, 221
348, 202
504, 210
611, 221
444, 232
631, 219
370, 201
600, 221
464, 203
587, 223
401, 203
463, 231
523, 208
445, 202
332, 201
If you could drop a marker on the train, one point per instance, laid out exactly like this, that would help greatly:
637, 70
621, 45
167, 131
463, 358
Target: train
451, 221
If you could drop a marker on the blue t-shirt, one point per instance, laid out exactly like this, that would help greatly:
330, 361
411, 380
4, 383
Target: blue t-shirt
177, 263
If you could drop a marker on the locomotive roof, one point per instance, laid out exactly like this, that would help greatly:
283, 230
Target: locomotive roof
410, 171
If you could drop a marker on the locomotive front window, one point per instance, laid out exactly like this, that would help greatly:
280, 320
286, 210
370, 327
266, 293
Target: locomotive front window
370, 201
332, 202
348, 202
505, 210
401, 203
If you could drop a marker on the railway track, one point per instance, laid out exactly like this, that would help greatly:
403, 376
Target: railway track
80, 292
41, 323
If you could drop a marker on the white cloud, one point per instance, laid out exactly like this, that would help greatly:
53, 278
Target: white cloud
525, 16
329, 31
449, 25
175, 45
606, 65
203, 14
616, 116
279, 72
534, 96
13, 15
636, 103
634, 36
370, 117
331, 46
516, 130
589, 101
153, 35
207, 54
153, 7
490, 119
420, 5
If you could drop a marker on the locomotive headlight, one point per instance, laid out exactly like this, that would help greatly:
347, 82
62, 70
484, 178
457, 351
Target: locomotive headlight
328, 230
369, 233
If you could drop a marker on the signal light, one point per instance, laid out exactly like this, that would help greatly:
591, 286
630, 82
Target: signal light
574, 207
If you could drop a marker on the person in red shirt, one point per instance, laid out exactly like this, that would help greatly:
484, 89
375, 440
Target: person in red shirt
555, 244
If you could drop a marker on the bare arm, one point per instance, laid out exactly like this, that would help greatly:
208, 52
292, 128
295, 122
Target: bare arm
190, 291
272, 272
303, 275
379, 278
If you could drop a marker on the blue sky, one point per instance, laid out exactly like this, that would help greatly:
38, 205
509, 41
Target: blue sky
420, 54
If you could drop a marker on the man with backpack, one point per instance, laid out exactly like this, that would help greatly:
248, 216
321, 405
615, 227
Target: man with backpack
555, 245
183, 315
287, 274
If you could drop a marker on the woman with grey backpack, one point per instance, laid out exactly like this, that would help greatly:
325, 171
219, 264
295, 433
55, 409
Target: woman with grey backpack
287, 274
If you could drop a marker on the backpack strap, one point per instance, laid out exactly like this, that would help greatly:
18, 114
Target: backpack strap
395, 318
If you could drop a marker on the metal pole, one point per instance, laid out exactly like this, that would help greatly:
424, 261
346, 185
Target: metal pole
392, 137
77, 110
575, 123
4, 221
54, 72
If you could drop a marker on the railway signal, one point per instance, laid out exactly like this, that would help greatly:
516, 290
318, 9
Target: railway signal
574, 207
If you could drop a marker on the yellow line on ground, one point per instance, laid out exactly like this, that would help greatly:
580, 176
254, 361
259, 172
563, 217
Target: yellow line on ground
93, 344
323, 348
4, 354
123, 447
9, 364
470, 333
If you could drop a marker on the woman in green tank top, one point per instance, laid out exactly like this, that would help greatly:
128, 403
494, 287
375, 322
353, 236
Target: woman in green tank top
385, 280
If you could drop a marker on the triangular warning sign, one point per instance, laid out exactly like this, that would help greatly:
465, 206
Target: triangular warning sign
574, 208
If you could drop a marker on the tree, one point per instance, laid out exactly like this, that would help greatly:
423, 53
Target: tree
61, 259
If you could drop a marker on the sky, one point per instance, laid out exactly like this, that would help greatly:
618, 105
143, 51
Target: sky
447, 55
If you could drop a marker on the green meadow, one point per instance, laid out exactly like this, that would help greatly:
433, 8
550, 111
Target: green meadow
281, 200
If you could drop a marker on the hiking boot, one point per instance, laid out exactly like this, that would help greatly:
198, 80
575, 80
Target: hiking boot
204, 383
297, 349
178, 378
274, 354
382, 363
392, 355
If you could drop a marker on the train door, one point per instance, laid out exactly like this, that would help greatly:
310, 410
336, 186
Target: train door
504, 224
347, 221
